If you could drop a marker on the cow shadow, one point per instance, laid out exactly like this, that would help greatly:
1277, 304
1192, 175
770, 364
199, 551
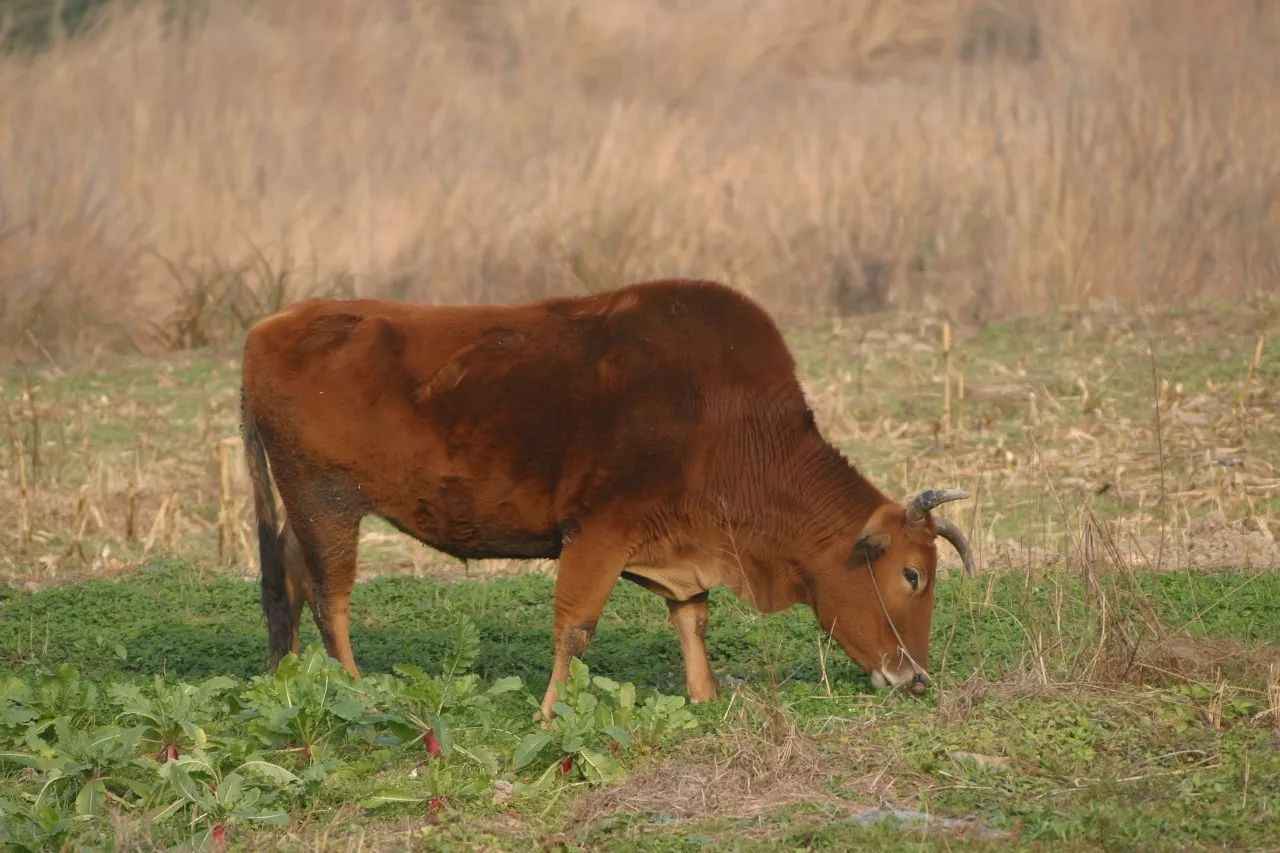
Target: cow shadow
193, 651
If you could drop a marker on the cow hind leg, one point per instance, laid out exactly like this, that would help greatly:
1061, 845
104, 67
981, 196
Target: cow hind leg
589, 570
689, 618
297, 582
328, 547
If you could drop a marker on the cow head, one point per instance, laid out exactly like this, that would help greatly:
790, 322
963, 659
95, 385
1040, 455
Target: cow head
879, 603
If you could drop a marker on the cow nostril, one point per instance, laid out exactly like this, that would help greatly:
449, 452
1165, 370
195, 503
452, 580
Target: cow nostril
922, 679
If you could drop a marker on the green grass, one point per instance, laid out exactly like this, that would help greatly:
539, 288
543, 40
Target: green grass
1157, 759
1132, 715
183, 623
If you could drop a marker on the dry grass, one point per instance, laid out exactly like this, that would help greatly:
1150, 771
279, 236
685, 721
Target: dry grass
978, 157
770, 754
763, 761
104, 463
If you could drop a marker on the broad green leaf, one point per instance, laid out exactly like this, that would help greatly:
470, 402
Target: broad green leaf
315, 774
267, 770
606, 684
32, 736
528, 749
229, 792
247, 800
281, 717
16, 715
579, 675
22, 758
289, 668
461, 689
176, 774
89, 800
127, 694
618, 733
348, 708
505, 685
444, 734
603, 768
217, 683
199, 739
411, 671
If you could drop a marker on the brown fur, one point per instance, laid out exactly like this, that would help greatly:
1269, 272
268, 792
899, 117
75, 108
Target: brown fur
657, 430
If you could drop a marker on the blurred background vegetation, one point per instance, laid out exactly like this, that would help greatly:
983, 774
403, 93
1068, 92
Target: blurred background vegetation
171, 169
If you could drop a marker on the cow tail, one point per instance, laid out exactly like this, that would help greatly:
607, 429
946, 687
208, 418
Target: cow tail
275, 601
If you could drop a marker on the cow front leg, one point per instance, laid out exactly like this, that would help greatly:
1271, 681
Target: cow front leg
689, 618
589, 570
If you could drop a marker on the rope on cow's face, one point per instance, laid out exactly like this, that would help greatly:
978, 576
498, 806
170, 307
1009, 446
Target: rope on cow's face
902, 646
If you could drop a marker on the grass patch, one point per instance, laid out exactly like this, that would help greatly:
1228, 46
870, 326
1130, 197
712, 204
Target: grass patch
1042, 730
173, 619
1082, 700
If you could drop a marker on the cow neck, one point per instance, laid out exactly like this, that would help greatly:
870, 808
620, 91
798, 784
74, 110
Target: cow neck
835, 498
817, 502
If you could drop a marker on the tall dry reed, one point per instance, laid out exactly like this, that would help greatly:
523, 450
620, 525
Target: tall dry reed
972, 157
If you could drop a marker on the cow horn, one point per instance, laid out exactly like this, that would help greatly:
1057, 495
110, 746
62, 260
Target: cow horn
948, 531
918, 512
918, 509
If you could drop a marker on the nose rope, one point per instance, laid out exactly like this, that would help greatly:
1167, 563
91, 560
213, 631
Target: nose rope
901, 643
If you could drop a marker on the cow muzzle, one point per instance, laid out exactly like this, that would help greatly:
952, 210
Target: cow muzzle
911, 681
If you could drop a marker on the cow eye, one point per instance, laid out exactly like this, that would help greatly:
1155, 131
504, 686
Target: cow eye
912, 576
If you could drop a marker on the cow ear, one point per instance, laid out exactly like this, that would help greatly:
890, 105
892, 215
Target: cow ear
868, 549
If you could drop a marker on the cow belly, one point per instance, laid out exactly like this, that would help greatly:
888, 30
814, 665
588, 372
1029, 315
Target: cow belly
678, 581
468, 519
496, 544
485, 539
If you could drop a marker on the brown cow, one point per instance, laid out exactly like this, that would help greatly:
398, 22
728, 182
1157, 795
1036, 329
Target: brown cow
656, 432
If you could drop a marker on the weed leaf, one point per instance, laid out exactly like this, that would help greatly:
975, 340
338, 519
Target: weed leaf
528, 749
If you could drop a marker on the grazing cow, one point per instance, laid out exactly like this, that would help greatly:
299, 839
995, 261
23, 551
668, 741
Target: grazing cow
656, 433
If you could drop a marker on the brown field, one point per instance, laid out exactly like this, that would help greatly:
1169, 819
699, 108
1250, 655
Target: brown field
1050, 424
166, 178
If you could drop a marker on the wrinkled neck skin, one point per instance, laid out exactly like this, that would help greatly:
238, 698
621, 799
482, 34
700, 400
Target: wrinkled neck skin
816, 505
